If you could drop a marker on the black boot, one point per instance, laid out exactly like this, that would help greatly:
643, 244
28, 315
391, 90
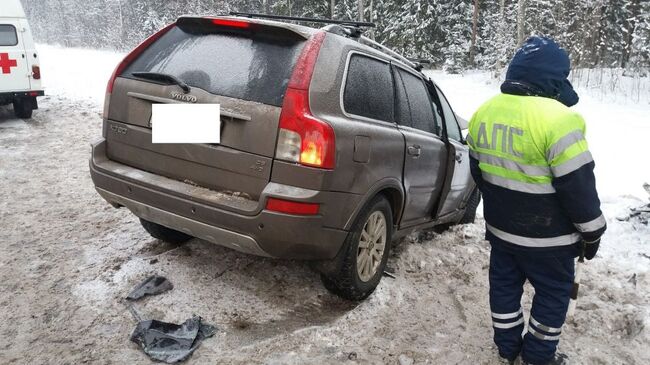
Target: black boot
559, 359
508, 360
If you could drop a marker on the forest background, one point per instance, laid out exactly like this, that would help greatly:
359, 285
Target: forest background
455, 35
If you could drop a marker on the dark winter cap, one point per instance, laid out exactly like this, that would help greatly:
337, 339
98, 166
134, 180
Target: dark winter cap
541, 67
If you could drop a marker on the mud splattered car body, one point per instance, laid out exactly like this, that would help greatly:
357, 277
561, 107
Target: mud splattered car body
331, 145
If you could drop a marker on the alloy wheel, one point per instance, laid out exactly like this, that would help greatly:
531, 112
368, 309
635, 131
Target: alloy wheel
372, 245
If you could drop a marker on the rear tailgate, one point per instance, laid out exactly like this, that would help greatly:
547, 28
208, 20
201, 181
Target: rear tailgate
245, 69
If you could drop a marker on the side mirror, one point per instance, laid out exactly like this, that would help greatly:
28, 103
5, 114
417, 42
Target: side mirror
462, 123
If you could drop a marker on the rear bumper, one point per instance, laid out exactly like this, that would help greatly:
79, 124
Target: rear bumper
200, 213
21, 94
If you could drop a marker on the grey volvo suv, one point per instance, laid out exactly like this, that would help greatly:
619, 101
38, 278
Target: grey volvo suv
332, 146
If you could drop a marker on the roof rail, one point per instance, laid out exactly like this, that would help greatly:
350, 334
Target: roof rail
369, 42
420, 62
352, 29
301, 19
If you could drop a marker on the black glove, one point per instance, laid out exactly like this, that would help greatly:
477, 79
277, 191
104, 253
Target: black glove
591, 247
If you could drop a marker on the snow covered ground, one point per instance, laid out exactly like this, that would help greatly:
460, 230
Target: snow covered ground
69, 258
77, 73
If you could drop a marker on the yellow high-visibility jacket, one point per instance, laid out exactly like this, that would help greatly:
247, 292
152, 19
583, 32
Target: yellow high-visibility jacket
532, 164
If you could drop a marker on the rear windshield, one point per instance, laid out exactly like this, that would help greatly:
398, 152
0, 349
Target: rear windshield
255, 68
8, 36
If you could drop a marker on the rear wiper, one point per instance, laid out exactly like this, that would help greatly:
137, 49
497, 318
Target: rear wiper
163, 77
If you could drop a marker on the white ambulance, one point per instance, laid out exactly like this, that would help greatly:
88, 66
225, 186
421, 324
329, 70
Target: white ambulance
20, 74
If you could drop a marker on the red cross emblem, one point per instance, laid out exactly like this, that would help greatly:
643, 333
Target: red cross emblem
6, 64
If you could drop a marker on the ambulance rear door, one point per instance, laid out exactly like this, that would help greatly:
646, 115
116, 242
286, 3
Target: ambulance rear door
14, 70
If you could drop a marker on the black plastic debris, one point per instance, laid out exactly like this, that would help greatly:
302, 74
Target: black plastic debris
169, 342
152, 286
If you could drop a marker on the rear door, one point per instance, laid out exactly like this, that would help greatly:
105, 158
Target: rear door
14, 73
459, 183
245, 70
425, 154
31, 55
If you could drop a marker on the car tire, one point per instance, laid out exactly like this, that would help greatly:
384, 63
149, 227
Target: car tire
365, 246
163, 233
472, 206
23, 109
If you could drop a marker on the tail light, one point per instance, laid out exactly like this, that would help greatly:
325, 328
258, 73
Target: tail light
36, 72
302, 137
229, 23
291, 207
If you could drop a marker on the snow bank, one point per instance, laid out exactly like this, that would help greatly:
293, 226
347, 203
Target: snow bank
613, 84
77, 73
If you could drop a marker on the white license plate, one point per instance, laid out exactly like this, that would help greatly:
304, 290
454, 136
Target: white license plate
186, 123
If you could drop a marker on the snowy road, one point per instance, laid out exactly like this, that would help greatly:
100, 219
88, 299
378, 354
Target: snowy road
68, 259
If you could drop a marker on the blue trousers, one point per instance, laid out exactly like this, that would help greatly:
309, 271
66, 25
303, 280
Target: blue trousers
552, 278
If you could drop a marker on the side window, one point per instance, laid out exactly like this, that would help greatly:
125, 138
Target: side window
369, 89
422, 116
8, 36
453, 131
402, 108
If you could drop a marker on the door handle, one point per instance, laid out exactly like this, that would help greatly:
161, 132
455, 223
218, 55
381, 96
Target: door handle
414, 151
459, 157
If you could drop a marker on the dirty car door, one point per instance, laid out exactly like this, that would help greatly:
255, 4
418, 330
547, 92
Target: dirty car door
425, 154
459, 182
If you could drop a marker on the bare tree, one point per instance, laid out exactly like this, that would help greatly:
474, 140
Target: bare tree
372, 18
634, 7
333, 9
502, 33
521, 12
472, 48
360, 10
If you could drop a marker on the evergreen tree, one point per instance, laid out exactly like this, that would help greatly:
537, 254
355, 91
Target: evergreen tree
455, 19
613, 33
596, 33
640, 57
540, 18
497, 35
412, 28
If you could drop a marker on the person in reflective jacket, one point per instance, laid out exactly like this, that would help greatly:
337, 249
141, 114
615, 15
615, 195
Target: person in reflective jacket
531, 162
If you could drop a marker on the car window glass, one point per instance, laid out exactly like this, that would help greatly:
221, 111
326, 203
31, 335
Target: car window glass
437, 112
255, 68
8, 36
402, 109
453, 132
435, 105
418, 97
369, 89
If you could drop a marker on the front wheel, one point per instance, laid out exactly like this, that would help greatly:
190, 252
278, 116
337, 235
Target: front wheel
366, 253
